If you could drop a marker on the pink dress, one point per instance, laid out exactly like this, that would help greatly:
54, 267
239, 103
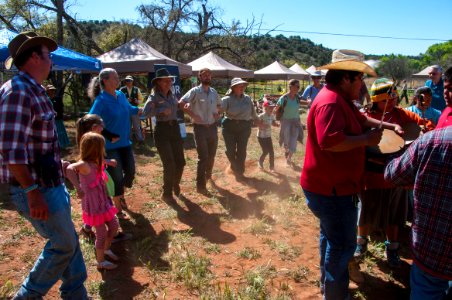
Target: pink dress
97, 206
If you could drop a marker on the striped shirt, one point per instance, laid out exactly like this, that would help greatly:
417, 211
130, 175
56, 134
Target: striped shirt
27, 128
428, 165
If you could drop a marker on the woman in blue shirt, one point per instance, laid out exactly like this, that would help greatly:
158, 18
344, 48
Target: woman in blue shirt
112, 106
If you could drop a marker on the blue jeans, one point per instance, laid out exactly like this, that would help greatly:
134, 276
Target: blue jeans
61, 257
425, 286
338, 216
288, 135
124, 172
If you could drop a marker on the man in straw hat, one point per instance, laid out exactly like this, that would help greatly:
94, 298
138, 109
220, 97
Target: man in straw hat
202, 103
334, 165
30, 163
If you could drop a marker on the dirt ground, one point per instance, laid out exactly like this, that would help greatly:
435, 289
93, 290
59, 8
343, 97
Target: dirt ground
254, 239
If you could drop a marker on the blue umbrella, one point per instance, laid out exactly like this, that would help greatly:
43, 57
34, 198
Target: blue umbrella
63, 59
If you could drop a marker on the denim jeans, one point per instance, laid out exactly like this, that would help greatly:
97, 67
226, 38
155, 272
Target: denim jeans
338, 216
206, 138
236, 134
426, 286
171, 150
288, 135
124, 172
136, 127
61, 257
267, 148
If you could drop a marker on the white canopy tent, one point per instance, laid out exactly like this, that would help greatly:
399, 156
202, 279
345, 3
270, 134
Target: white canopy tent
277, 71
136, 56
219, 67
312, 70
297, 68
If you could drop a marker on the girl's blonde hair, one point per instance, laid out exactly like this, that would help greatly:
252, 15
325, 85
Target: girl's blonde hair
85, 124
92, 149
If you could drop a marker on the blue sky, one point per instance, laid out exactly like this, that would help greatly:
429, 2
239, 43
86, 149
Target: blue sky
410, 19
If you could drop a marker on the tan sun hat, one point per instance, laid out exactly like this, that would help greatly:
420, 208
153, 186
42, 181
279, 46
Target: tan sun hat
349, 60
237, 80
24, 41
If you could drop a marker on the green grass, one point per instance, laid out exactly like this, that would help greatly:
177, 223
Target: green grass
191, 269
285, 251
260, 227
249, 253
300, 274
7, 290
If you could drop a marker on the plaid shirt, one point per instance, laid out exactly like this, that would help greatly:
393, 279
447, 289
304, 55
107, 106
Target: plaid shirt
428, 164
27, 128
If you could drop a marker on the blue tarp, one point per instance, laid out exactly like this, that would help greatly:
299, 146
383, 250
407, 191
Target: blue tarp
63, 59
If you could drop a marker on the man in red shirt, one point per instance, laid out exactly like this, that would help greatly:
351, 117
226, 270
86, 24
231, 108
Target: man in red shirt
446, 117
334, 165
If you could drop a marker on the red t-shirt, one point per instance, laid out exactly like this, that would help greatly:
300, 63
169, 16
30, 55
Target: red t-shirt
330, 120
446, 118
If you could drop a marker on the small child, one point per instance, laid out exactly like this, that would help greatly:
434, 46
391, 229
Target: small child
264, 134
97, 207
421, 105
94, 123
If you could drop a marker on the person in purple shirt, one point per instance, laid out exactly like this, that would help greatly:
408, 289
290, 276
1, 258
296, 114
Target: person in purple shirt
427, 164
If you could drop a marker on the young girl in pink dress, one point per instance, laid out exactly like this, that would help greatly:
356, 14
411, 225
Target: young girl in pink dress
88, 177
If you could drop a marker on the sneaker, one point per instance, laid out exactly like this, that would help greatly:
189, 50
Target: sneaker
361, 249
106, 265
121, 236
111, 255
392, 256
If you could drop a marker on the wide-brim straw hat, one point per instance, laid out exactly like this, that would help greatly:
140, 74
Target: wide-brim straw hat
162, 73
349, 60
24, 41
237, 81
